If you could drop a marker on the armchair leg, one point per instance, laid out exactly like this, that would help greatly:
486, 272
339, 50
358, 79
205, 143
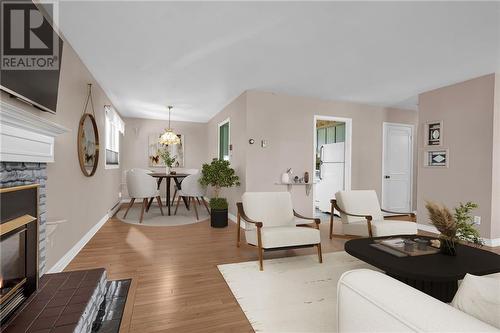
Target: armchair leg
261, 251
320, 254
238, 231
158, 199
131, 203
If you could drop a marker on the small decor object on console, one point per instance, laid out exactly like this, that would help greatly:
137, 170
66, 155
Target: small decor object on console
218, 174
454, 227
169, 161
285, 177
88, 138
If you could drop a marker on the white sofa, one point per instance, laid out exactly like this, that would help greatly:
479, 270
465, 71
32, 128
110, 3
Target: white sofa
370, 301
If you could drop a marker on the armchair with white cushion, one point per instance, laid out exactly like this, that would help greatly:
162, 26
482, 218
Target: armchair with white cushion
140, 185
361, 215
271, 223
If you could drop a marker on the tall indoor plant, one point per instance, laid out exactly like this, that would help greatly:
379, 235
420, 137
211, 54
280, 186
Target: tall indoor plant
218, 174
454, 227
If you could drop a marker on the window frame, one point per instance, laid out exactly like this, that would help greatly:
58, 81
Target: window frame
108, 126
222, 123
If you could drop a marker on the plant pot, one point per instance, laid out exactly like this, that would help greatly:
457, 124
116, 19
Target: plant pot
448, 247
218, 218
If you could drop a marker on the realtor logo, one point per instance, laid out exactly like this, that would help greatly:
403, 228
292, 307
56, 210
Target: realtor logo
28, 41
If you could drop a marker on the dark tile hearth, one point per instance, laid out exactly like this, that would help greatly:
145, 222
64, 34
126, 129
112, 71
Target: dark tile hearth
60, 303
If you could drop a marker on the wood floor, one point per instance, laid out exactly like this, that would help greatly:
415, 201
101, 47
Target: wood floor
176, 286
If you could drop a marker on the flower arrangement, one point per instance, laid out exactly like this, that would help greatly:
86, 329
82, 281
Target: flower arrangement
165, 156
454, 227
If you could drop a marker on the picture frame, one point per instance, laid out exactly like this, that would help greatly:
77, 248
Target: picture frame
175, 150
436, 158
433, 133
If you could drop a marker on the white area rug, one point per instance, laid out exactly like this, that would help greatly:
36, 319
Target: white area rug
153, 218
294, 294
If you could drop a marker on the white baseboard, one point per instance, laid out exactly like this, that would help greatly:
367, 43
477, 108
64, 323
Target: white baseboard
491, 242
487, 241
71, 254
231, 217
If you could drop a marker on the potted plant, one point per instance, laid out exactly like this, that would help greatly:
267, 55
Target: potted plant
218, 174
167, 159
454, 227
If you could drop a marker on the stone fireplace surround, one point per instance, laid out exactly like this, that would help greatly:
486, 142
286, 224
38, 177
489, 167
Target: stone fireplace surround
26, 146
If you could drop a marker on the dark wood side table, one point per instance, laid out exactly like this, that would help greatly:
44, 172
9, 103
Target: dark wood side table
178, 177
436, 275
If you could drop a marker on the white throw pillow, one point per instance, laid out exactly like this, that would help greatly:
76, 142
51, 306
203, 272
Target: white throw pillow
479, 296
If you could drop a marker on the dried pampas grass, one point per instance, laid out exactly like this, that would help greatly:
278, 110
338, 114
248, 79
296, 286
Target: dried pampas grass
442, 219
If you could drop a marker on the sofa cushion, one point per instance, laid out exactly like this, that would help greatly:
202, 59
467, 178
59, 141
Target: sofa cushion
360, 202
273, 237
479, 296
270, 208
380, 228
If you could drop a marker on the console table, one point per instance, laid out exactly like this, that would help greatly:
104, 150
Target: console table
436, 275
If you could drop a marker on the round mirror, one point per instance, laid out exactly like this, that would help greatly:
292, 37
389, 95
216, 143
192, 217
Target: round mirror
88, 144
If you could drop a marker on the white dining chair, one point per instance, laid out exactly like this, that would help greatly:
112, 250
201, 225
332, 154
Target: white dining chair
192, 190
186, 171
141, 185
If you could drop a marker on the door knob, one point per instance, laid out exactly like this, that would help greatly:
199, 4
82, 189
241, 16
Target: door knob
387, 177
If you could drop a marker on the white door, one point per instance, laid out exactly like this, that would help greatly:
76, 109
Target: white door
397, 167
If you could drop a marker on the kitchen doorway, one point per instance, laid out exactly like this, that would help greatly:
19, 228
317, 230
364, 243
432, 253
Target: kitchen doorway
332, 161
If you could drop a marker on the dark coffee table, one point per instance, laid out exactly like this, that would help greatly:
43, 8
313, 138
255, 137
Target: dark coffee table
436, 275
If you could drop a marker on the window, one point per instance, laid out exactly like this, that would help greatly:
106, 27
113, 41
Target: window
114, 126
224, 140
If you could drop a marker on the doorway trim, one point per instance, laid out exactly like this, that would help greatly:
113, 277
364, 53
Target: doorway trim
412, 127
348, 148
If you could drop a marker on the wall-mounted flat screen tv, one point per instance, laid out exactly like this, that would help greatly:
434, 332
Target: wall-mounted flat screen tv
31, 55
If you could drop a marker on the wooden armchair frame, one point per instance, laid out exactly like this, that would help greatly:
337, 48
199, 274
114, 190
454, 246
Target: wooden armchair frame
259, 225
368, 218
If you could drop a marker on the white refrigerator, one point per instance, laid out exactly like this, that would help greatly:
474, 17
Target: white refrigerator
331, 174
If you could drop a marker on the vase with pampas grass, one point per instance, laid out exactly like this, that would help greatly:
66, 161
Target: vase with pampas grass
454, 227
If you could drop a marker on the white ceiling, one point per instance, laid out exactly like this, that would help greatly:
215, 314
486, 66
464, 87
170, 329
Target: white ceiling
198, 56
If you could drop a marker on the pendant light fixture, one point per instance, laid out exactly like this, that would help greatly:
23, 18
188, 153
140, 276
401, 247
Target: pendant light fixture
169, 137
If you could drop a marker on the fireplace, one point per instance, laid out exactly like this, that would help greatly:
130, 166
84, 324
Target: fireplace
18, 247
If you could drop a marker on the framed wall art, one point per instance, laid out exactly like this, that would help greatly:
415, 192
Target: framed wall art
433, 133
175, 150
436, 158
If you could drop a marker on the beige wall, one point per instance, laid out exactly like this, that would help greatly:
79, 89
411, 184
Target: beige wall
495, 197
237, 113
71, 196
466, 110
286, 122
135, 144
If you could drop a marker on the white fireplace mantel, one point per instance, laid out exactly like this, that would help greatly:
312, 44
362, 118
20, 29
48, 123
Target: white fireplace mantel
26, 137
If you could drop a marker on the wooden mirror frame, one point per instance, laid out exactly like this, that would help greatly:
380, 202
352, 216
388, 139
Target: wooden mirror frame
81, 157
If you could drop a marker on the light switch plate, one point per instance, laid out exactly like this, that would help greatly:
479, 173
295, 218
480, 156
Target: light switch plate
263, 143
477, 220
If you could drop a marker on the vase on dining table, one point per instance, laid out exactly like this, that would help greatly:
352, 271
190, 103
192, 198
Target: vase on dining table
167, 170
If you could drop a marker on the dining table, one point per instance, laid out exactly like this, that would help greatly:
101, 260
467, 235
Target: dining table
177, 177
